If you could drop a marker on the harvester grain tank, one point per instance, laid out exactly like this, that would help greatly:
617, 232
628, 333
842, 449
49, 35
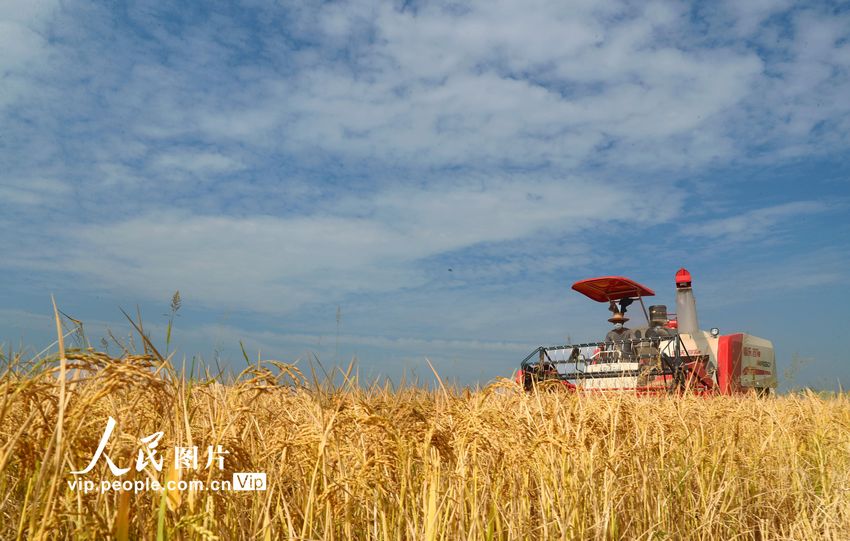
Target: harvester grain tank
665, 355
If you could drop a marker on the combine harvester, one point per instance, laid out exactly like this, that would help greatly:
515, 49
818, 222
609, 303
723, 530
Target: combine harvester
665, 356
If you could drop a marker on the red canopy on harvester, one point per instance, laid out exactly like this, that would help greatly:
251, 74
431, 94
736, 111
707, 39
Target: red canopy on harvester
611, 288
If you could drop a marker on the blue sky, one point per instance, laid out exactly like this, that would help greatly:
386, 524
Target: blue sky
276, 161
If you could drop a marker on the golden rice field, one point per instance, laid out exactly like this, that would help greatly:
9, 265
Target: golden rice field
354, 462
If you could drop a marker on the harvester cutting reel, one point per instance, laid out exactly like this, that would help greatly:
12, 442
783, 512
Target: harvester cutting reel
654, 365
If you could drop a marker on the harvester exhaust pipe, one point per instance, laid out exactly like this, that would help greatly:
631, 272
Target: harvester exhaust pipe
686, 304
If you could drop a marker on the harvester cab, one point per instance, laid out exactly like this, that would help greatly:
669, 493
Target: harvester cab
667, 354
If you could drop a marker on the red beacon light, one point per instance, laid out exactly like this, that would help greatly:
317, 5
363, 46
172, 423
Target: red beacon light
683, 278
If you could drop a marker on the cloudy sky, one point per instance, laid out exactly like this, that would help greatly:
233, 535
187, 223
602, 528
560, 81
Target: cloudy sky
436, 173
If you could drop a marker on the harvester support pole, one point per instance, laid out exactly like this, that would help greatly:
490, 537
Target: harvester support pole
677, 364
645, 313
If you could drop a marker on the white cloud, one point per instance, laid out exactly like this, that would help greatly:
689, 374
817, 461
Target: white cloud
501, 82
818, 271
23, 45
754, 223
275, 341
560, 86
33, 191
20, 46
28, 12
747, 16
197, 162
362, 244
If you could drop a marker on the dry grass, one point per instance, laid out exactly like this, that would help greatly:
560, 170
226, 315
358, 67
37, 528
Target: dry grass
409, 463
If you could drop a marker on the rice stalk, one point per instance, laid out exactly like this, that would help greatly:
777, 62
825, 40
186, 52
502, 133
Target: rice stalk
349, 460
